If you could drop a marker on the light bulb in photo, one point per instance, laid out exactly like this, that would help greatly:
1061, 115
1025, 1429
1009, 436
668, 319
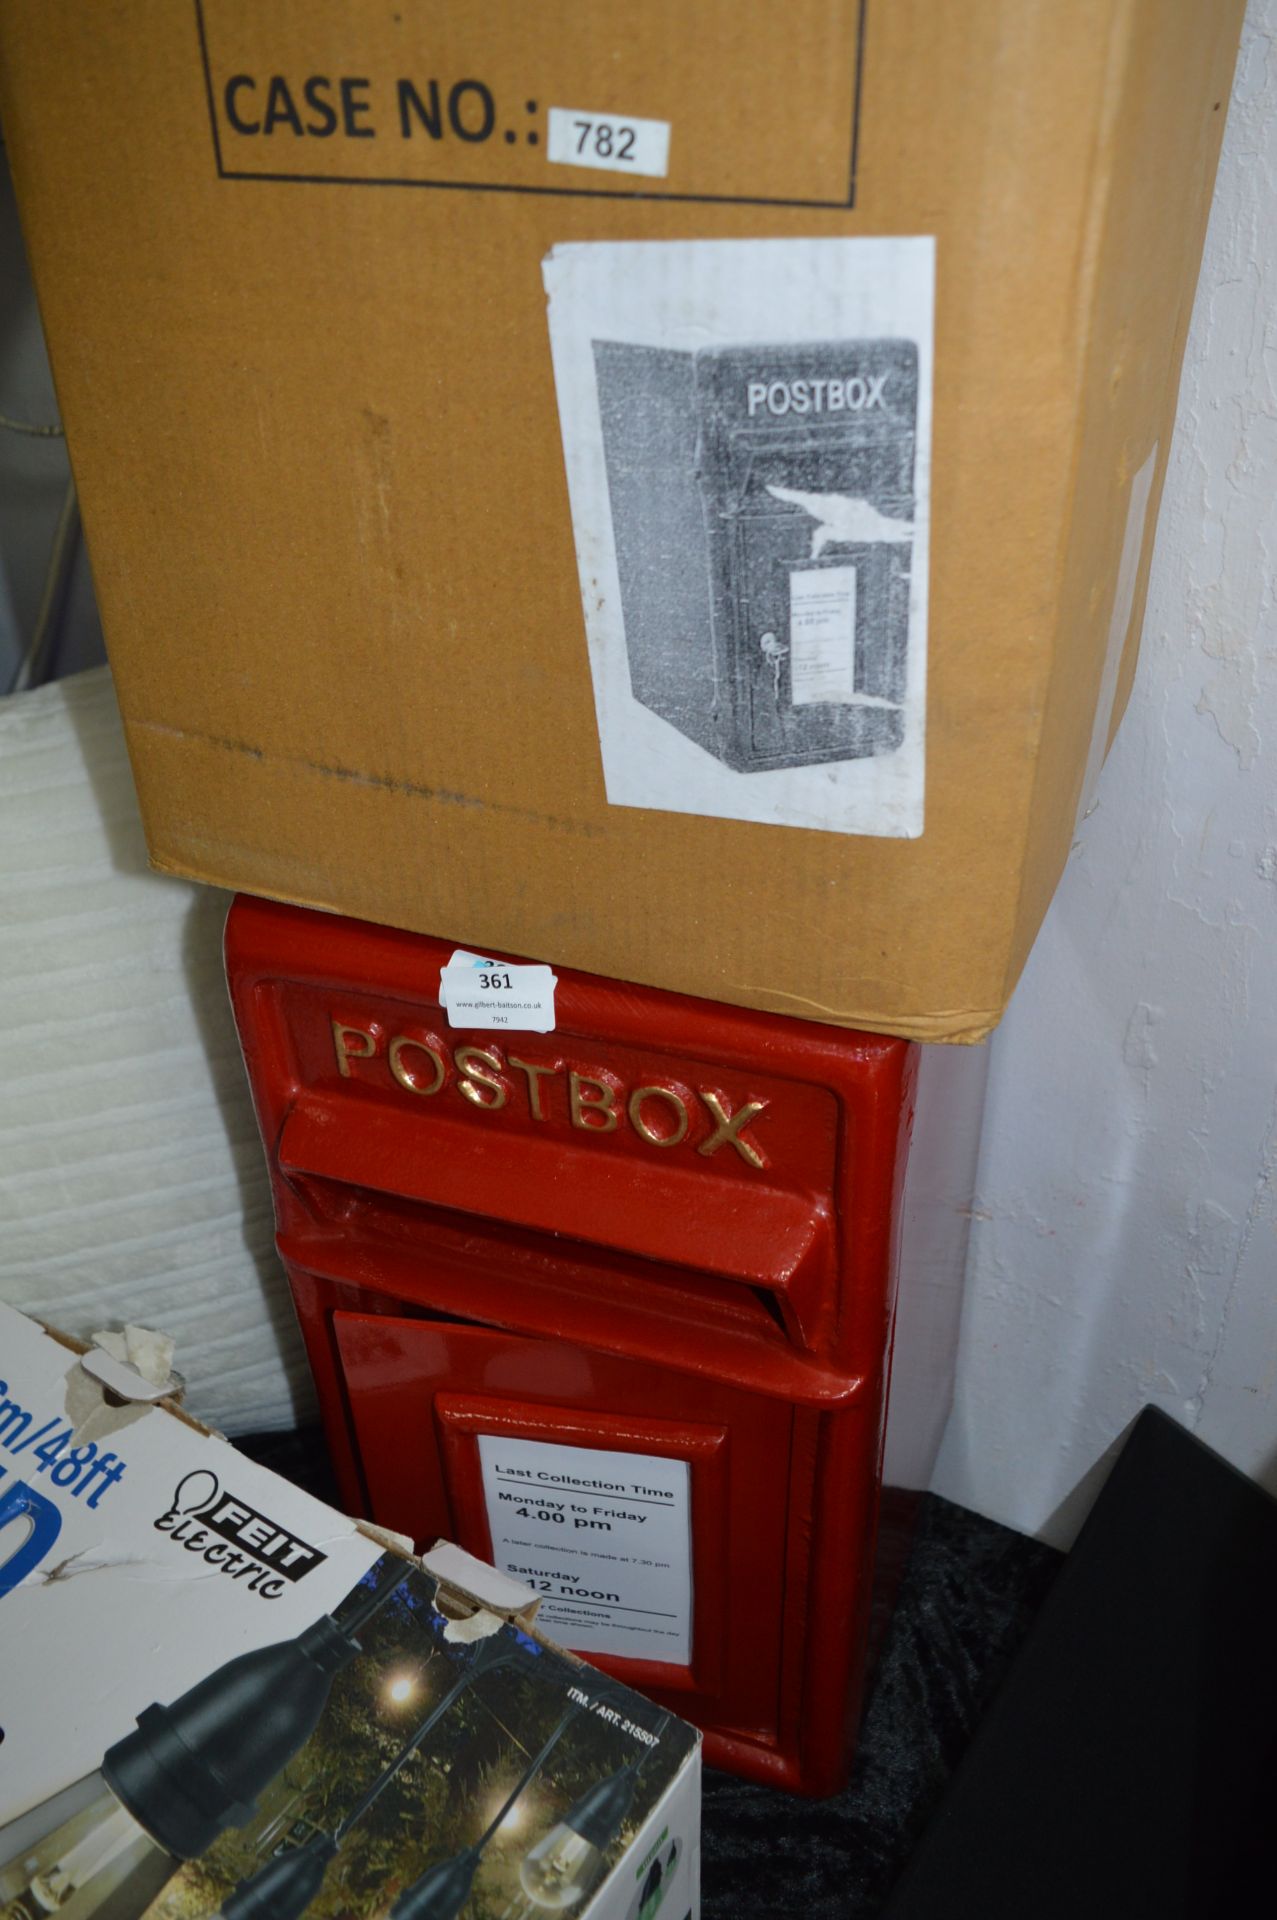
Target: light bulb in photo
80, 1852
400, 1689
561, 1869
506, 1819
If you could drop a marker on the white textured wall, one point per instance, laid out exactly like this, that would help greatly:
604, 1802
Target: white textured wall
132, 1184
1124, 1248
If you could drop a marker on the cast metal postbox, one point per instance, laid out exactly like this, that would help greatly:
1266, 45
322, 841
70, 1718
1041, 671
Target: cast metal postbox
762, 500
610, 1305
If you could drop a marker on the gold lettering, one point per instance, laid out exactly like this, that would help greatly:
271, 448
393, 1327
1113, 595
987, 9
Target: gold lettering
346, 1051
532, 1074
729, 1127
398, 1047
645, 1129
475, 1077
602, 1103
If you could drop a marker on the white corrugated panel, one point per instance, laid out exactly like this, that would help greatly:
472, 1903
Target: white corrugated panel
132, 1184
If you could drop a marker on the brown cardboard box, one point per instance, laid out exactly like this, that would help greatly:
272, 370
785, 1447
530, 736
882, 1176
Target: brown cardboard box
314, 420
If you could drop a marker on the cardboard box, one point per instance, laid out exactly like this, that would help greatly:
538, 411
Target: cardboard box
220, 1696
854, 396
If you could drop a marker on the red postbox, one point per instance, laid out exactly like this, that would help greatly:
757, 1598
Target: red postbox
610, 1305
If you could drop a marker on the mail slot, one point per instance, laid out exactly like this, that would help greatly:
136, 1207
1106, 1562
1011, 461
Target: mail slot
611, 1305
762, 503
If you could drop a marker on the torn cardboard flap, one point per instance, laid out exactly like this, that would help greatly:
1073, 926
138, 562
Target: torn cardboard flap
133, 1367
145, 1356
388, 1538
94, 1406
120, 1376
474, 1583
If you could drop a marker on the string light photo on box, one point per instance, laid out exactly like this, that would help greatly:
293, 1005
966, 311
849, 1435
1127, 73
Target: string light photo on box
375, 1764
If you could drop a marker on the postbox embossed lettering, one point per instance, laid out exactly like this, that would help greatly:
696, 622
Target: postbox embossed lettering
661, 1114
400, 1046
481, 1081
651, 1132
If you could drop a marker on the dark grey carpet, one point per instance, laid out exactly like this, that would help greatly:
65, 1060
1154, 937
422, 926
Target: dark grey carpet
968, 1596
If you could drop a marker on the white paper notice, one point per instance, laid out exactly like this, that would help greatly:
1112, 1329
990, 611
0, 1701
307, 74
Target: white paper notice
822, 635
694, 379
603, 1537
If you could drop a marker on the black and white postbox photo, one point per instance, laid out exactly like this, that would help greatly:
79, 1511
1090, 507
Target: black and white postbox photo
746, 427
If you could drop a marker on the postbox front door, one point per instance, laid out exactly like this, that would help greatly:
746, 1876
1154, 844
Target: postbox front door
609, 1305
763, 501
625, 1520
809, 516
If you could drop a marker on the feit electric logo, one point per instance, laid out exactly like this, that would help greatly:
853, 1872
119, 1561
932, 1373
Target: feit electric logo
234, 1537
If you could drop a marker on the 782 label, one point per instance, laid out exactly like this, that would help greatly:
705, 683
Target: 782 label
616, 142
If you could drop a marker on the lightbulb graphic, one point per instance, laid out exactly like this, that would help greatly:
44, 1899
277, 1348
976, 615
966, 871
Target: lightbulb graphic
79, 1852
443, 1890
515, 1821
190, 1770
564, 1867
197, 1490
561, 1869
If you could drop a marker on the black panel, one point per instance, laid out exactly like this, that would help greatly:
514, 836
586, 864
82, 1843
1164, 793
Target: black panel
1129, 1764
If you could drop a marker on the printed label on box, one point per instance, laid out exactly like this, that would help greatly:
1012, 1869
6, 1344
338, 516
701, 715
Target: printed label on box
475, 992
822, 635
603, 1537
747, 433
457, 106
613, 142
